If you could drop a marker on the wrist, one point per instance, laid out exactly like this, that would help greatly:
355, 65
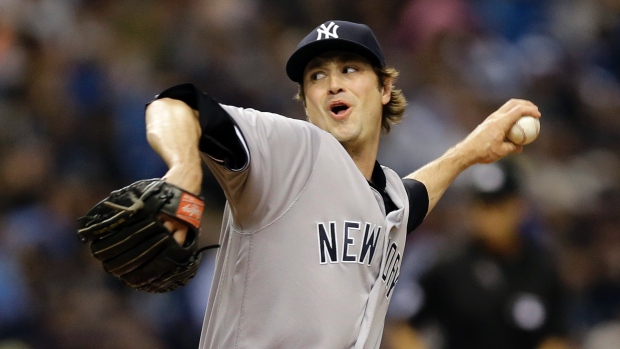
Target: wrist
187, 176
460, 157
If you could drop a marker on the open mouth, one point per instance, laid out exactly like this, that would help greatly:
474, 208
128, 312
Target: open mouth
338, 108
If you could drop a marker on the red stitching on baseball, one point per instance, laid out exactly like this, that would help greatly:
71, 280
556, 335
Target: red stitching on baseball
523, 133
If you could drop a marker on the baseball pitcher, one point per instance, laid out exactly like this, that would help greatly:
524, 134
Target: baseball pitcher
314, 227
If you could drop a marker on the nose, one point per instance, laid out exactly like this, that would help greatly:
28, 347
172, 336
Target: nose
335, 84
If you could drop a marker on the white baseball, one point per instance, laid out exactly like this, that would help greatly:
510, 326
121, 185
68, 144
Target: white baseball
524, 131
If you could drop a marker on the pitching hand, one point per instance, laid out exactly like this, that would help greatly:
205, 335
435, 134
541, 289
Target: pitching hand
488, 143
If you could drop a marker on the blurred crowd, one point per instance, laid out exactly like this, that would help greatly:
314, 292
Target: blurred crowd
75, 76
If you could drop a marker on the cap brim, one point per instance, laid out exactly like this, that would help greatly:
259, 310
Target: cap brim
298, 61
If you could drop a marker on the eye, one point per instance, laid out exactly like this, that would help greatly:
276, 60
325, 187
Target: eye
317, 75
349, 70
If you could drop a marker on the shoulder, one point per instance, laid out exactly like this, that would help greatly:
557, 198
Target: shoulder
235, 111
253, 118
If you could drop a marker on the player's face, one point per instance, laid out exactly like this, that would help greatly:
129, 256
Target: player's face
344, 98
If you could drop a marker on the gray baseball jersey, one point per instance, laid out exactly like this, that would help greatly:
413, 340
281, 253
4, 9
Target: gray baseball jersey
308, 257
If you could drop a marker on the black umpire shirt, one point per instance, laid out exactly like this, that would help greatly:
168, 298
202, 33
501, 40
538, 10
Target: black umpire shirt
481, 301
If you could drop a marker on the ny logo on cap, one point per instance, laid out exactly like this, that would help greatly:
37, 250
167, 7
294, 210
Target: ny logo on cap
328, 31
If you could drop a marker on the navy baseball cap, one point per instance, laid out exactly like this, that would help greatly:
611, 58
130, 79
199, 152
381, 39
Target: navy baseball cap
334, 36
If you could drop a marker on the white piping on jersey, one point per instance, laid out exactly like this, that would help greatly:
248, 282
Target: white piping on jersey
245, 147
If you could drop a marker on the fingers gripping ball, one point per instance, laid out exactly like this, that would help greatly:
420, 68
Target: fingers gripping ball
524, 131
125, 235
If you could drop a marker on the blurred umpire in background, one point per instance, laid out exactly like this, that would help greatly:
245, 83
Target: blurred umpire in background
499, 289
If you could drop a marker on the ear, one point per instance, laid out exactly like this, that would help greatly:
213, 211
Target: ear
386, 92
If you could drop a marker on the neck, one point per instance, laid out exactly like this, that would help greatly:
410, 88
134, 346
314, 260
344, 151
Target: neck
364, 158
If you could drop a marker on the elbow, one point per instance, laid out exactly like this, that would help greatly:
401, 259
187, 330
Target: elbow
167, 105
166, 110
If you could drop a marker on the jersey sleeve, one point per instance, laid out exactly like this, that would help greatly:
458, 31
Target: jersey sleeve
221, 139
282, 153
418, 202
261, 160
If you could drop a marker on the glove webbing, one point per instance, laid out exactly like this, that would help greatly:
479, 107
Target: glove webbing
105, 227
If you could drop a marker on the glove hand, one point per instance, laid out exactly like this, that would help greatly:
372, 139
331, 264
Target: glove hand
126, 234
177, 228
187, 177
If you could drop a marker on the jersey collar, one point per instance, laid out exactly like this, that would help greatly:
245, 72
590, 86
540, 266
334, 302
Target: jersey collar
377, 179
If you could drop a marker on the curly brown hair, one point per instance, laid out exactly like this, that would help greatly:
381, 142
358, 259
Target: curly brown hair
392, 111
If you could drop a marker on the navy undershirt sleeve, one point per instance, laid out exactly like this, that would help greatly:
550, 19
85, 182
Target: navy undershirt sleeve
418, 202
220, 135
